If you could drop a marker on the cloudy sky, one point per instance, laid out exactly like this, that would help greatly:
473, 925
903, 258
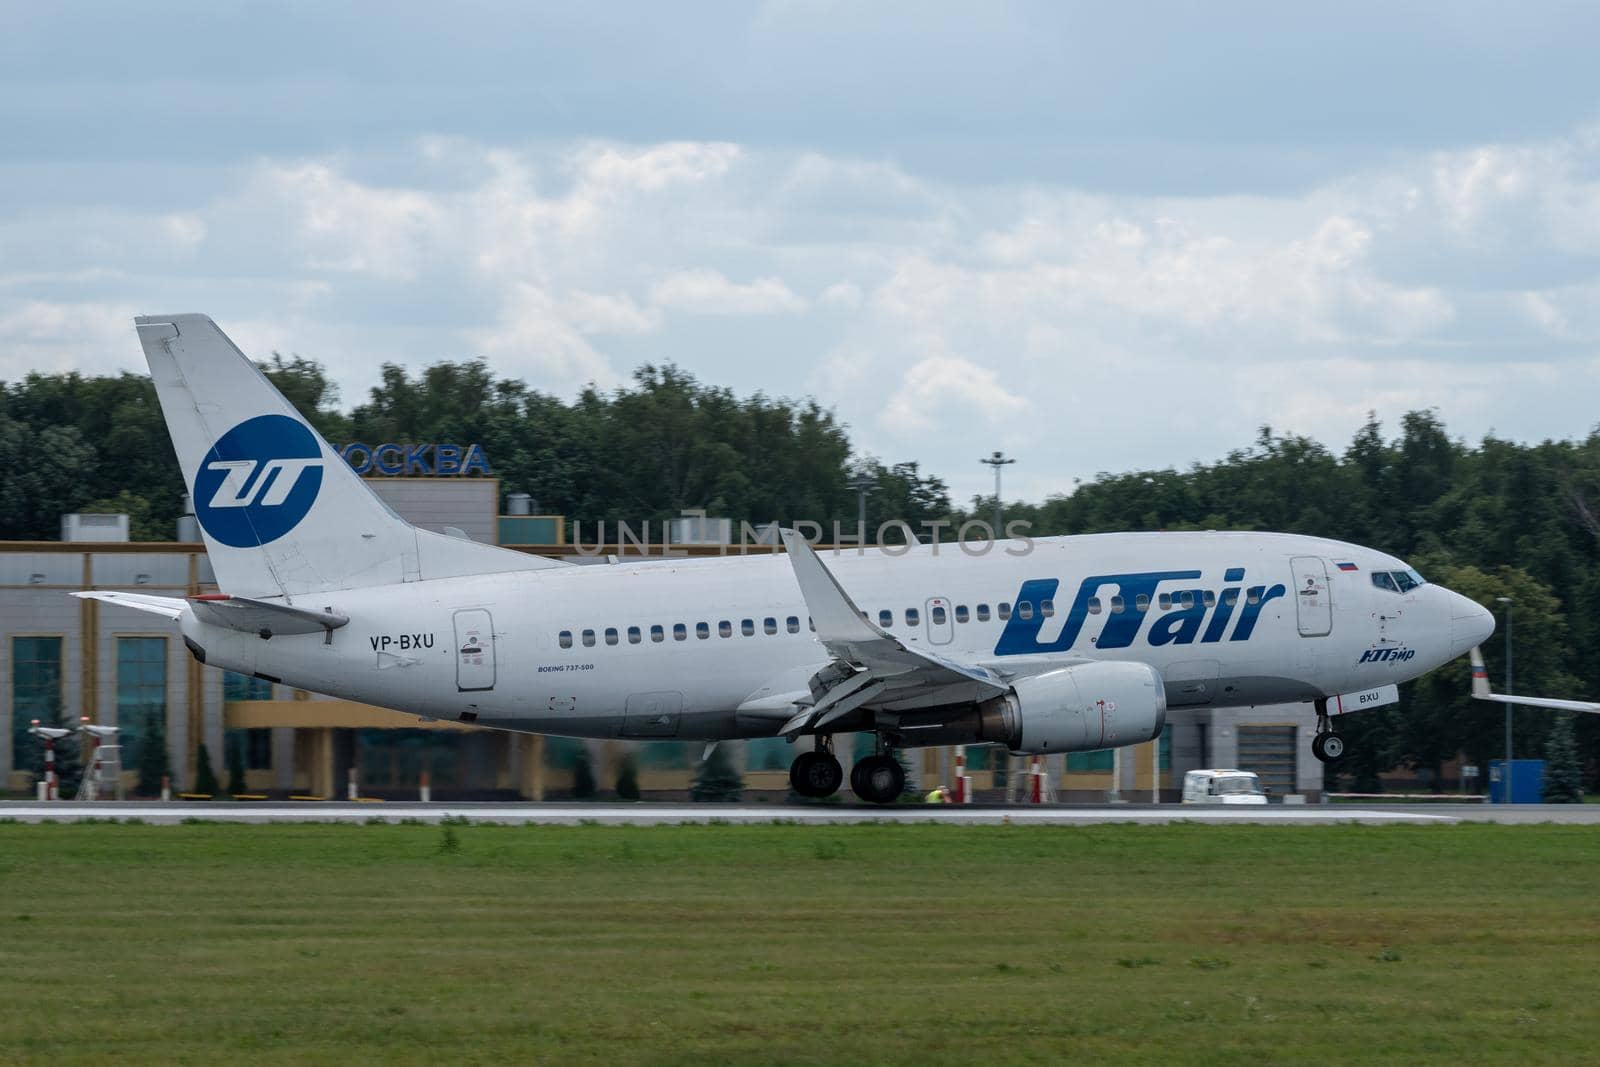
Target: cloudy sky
1097, 236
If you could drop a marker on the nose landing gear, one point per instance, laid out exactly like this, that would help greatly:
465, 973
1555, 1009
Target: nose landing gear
1327, 746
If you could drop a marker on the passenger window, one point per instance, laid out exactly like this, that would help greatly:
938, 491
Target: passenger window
1186, 599
885, 619
1141, 603
680, 632
1210, 599
634, 636
1253, 597
1094, 605
658, 633
961, 613
1047, 608
913, 617
588, 639
747, 627
983, 613
769, 625
1230, 597
811, 624
792, 624
939, 615
1165, 601
566, 639
611, 635
1024, 609
702, 630
1002, 610
1116, 605
724, 628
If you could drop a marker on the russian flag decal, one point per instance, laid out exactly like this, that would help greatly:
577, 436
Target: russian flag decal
1348, 567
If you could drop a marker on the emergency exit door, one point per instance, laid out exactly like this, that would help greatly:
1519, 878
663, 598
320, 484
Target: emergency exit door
940, 628
474, 650
1313, 605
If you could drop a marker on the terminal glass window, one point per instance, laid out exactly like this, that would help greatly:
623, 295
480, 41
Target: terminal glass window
237, 686
35, 692
141, 695
1099, 760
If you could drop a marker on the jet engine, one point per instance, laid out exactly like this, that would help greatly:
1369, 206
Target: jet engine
1073, 709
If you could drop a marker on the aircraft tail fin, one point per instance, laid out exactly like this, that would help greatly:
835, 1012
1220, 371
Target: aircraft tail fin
282, 513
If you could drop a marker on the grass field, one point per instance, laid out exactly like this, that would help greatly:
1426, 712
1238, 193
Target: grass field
208, 944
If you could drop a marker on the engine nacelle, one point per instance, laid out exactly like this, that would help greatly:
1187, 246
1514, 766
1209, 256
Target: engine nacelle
1077, 709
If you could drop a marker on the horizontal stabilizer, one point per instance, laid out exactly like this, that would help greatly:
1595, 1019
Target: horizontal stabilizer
1481, 691
257, 616
167, 606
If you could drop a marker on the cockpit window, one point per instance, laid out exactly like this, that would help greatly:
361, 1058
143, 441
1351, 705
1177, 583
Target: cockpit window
1397, 581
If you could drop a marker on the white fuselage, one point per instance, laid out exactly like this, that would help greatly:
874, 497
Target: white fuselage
716, 648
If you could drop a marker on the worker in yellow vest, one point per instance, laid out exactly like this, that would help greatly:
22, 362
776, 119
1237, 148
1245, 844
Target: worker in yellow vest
939, 796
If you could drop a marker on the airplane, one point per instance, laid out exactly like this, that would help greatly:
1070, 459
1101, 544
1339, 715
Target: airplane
1046, 645
1481, 691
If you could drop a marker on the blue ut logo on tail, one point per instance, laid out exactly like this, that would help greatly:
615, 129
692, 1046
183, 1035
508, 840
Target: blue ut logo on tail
258, 481
1180, 611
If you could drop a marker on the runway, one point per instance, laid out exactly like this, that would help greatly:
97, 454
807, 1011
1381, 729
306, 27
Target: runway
558, 814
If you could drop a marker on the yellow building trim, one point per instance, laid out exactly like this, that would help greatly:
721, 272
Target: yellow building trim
311, 714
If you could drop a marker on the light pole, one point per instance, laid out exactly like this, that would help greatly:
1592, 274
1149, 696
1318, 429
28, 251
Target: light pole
1506, 784
997, 460
863, 483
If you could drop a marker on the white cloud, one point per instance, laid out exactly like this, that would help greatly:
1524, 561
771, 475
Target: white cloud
951, 392
703, 291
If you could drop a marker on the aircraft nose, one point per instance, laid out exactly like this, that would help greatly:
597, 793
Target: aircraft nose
1471, 624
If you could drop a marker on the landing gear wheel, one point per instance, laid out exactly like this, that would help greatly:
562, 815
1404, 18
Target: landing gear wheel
1328, 747
878, 779
815, 774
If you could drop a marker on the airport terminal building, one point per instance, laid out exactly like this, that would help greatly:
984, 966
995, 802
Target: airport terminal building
62, 657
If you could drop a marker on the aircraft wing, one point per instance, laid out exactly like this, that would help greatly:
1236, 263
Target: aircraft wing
1481, 691
870, 665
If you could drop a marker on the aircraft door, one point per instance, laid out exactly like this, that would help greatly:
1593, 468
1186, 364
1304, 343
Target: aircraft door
940, 627
1312, 601
474, 650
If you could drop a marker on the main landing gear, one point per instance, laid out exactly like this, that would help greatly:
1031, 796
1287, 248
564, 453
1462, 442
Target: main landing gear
1327, 746
877, 779
817, 773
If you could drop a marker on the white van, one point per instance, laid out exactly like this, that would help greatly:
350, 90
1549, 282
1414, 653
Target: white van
1222, 787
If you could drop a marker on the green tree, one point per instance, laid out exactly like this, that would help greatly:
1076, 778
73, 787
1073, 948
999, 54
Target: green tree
583, 783
1563, 775
154, 764
716, 778
628, 778
205, 779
